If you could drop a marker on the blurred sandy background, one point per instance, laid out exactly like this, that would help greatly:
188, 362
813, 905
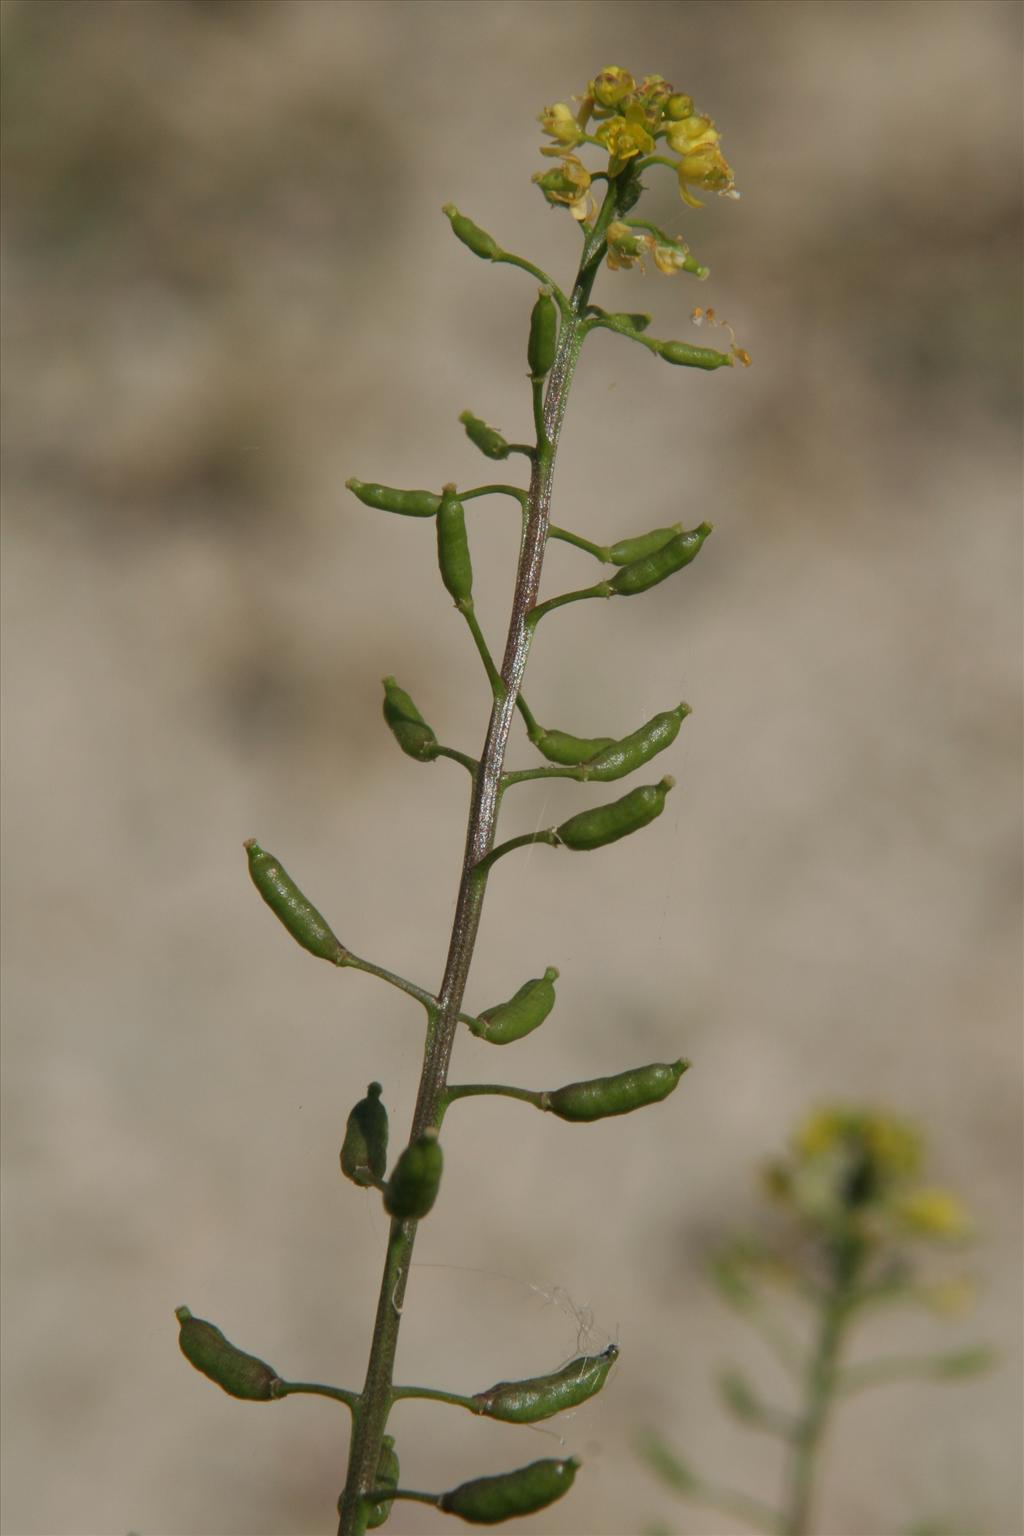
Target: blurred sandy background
228, 286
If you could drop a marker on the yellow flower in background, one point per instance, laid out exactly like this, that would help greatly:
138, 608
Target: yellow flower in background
611, 86
933, 1213
893, 1146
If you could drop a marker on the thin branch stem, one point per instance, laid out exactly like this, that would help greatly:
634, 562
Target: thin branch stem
436, 1395
548, 836
600, 589
599, 551
316, 1389
375, 1402
469, 763
496, 490
564, 304
356, 963
505, 1090
468, 612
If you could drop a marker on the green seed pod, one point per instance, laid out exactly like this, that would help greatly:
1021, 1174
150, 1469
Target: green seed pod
633, 751
607, 823
489, 1500
540, 349
647, 572
488, 439
570, 751
287, 902
478, 240
408, 726
626, 551
386, 499
364, 1152
387, 1475
527, 1402
521, 1014
686, 356
412, 1188
453, 547
618, 1095
241, 1375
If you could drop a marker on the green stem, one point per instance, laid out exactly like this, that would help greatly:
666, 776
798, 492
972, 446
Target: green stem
821, 1383
564, 304
600, 589
375, 1403
546, 836
408, 987
468, 612
599, 551
316, 1389
469, 763
496, 490
472, 1090
435, 1395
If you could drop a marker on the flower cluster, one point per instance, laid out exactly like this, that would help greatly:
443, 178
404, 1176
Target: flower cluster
853, 1167
628, 120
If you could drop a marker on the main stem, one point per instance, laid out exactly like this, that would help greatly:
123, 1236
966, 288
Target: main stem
821, 1384
371, 1415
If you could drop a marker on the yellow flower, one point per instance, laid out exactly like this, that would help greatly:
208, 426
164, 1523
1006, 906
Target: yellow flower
559, 123
933, 1213
611, 86
690, 133
623, 138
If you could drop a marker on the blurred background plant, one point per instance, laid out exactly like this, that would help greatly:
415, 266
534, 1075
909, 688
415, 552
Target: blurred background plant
854, 1218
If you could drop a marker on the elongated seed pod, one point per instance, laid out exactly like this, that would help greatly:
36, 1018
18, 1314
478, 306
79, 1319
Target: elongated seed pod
527, 1402
408, 726
488, 439
540, 349
364, 1152
521, 1014
686, 356
453, 547
647, 572
607, 823
387, 499
387, 1475
626, 551
604, 1096
478, 240
239, 1374
489, 1500
412, 1188
302, 920
633, 751
569, 751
